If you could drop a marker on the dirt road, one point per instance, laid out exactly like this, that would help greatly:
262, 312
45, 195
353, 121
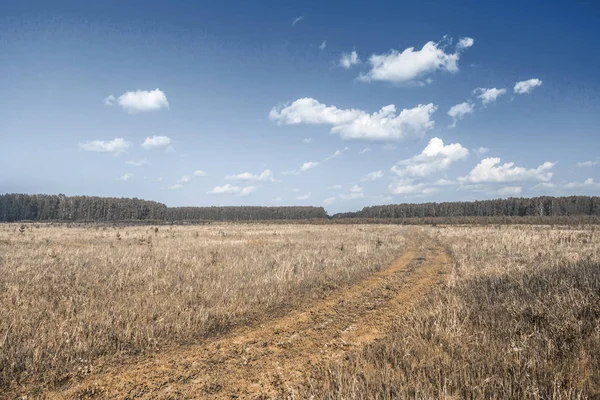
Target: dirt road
270, 360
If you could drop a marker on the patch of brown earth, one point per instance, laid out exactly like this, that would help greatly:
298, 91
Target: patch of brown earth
269, 361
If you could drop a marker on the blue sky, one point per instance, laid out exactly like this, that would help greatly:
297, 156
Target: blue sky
332, 104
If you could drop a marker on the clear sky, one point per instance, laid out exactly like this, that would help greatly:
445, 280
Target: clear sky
335, 104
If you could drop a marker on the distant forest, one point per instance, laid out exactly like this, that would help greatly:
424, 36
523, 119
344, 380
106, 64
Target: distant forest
22, 207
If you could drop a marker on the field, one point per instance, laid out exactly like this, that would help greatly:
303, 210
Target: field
299, 311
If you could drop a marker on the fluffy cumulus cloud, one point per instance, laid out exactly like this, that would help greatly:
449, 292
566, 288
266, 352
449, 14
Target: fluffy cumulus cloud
231, 189
489, 95
434, 158
323, 45
140, 101
458, 111
489, 170
349, 59
308, 165
510, 190
117, 145
199, 173
384, 124
524, 87
411, 65
373, 176
265, 176
156, 142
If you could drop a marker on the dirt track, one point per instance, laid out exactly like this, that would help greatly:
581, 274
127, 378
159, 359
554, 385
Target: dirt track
269, 360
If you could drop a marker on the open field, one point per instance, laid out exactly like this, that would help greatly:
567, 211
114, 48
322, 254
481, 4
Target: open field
69, 295
519, 318
300, 311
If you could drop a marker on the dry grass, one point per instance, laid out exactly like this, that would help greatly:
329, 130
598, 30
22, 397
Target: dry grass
69, 295
519, 318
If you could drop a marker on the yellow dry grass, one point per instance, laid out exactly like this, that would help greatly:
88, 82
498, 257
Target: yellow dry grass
519, 318
70, 294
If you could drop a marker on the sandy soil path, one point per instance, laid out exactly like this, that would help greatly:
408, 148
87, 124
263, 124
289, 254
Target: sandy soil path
269, 361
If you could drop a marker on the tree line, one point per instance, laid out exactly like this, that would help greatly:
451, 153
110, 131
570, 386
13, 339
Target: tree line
23, 207
519, 207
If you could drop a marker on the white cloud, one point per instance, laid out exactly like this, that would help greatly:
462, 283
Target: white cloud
588, 183
184, 179
489, 95
156, 142
297, 19
445, 182
139, 163
489, 170
309, 111
305, 167
307, 140
126, 177
589, 163
349, 59
265, 176
337, 153
296, 190
524, 87
110, 100
458, 111
199, 173
357, 124
323, 45
277, 199
510, 190
117, 145
434, 158
544, 185
230, 189
175, 186
334, 187
365, 150
465, 43
140, 101
372, 176
481, 151
406, 186
329, 200
304, 196
410, 65
352, 196
356, 189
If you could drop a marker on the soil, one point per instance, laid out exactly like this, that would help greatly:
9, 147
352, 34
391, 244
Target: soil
272, 359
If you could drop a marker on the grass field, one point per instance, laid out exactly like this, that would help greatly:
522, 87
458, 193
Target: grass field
513, 314
519, 318
69, 295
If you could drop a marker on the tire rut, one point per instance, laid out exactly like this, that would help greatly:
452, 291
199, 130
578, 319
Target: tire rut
269, 361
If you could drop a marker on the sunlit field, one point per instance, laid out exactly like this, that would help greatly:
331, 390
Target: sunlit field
72, 293
518, 318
